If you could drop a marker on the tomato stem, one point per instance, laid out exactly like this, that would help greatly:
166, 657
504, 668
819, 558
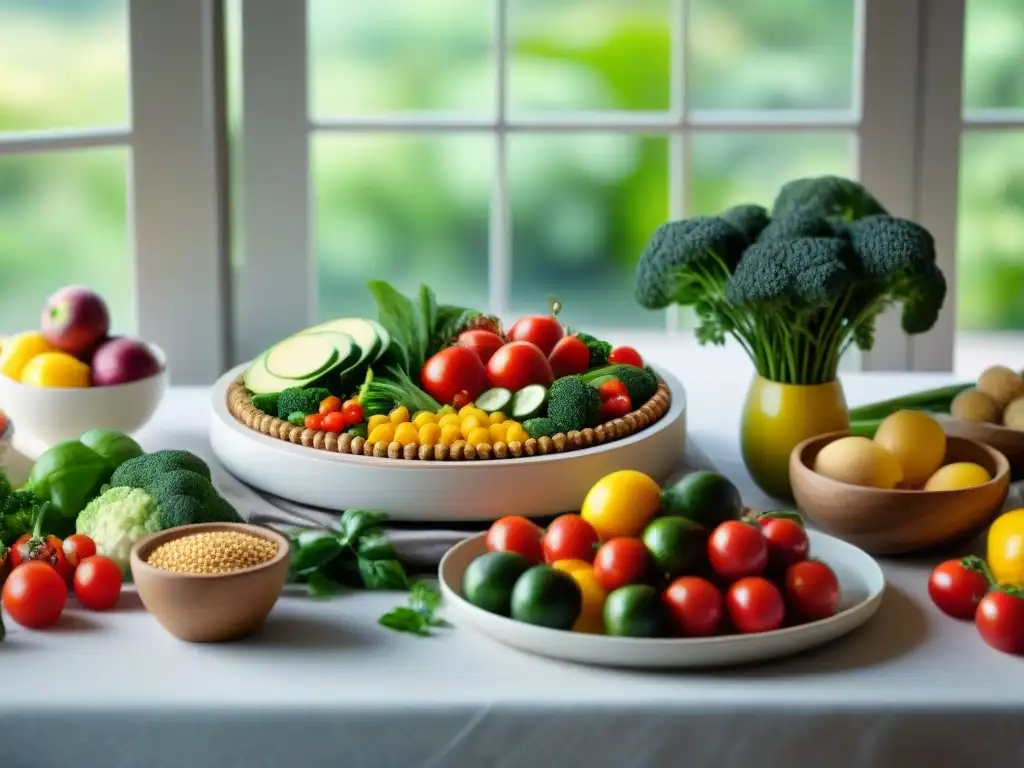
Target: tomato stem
556, 306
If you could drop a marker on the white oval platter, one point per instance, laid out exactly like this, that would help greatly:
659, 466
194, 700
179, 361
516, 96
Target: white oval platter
861, 584
535, 486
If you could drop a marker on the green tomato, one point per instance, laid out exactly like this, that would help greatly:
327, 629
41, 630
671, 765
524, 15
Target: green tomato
634, 611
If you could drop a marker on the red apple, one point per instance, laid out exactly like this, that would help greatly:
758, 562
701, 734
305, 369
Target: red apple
122, 360
75, 320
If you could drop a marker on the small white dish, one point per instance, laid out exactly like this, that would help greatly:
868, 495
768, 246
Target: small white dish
861, 584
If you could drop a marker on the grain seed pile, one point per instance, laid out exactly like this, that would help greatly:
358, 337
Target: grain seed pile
212, 552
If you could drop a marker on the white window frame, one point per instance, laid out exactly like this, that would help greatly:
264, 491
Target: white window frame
176, 199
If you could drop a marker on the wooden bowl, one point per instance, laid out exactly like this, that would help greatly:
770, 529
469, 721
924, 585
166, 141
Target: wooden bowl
1009, 442
889, 522
210, 608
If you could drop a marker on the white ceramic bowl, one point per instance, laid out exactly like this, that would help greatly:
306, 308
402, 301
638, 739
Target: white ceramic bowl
49, 415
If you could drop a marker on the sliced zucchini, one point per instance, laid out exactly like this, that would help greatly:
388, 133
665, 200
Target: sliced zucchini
300, 357
258, 380
529, 402
492, 400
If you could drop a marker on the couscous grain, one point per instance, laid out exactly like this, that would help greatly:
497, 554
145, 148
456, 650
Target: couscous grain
212, 552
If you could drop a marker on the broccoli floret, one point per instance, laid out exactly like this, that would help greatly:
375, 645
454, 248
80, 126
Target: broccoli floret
749, 219
301, 400
5, 485
826, 196
572, 404
641, 383
538, 428
18, 512
266, 402
791, 275
142, 470
795, 225
599, 350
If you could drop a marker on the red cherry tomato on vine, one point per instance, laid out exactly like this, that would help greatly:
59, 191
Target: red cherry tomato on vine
787, 542
452, 371
98, 583
516, 534
611, 388
812, 590
957, 590
542, 330
621, 561
17, 548
1000, 622
77, 547
517, 365
569, 537
49, 550
353, 412
34, 595
484, 343
695, 606
736, 550
615, 407
569, 356
755, 605
625, 356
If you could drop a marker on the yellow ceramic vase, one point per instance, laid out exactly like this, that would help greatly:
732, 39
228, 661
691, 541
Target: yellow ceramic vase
777, 417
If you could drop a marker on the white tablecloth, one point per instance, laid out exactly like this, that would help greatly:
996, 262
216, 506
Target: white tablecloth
323, 685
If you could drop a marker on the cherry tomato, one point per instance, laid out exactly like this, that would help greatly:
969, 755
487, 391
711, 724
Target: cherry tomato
17, 548
34, 595
625, 356
569, 537
611, 388
333, 422
451, 371
957, 590
755, 605
542, 330
621, 561
461, 399
812, 590
695, 606
98, 583
1000, 622
517, 365
516, 534
353, 412
484, 343
787, 542
77, 547
615, 407
736, 550
5, 564
314, 421
570, 355
49, 550
330, 404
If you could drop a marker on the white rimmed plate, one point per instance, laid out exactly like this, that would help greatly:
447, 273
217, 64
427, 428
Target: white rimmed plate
861, 584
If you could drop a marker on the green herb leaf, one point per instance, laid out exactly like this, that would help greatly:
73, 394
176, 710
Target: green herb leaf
321, 586
382, 574
403, 619
311, 550
375, 545
781, 514
400, 317
424, 598
355, 522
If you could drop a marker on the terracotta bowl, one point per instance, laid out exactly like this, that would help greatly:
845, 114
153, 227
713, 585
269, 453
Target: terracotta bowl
889, 522
210, 608
1009, 442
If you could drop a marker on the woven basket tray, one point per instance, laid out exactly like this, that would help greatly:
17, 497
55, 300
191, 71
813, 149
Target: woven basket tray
240, 406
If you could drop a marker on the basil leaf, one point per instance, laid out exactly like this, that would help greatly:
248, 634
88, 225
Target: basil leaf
355, 522
404, 619
424, 598
382, 574
375, 545
311, 550
321, 586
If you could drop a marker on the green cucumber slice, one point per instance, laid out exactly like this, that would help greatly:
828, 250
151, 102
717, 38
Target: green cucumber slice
492, 400
596, 383
529, 402
301, 356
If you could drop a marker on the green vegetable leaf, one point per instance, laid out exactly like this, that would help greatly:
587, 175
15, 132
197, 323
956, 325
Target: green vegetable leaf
355, 522
382, 574
375, 545
322, 586
400, 317
404, 619
311, 550
781, 514
424, 598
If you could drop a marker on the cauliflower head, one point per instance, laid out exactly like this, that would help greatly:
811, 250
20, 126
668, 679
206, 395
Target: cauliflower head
116, 520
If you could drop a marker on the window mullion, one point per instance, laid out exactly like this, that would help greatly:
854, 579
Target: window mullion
499, 272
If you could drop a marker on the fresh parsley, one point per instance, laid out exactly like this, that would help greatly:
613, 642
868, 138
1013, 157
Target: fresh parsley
417, 617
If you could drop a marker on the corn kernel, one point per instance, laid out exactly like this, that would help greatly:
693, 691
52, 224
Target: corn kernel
449, 419
496, 418
429, 434
516, 433
450, 433
399, 415
469, 424
376, 421
423, 417
382, 433
498, 432
478, 435
406, 433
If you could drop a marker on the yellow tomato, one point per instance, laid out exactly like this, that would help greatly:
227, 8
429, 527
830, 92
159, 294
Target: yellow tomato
18, 350
450, 433
591, 617
406, 433
466, 410
571, 565
515, 433
621, 504
55, 369
478, 435
469, 423
496, 418
399, 415
1005, 553
953, 477
384, 433
498, 433
423, 417
449, 419
429, 434
376, 421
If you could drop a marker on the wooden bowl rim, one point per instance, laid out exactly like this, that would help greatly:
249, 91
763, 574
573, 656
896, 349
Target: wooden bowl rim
145, 547
983, 427
1001, 476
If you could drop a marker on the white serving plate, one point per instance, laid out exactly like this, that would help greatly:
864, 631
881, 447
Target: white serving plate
861, 584
535, 486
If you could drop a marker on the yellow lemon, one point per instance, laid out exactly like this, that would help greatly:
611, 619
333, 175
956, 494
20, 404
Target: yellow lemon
1005, 553
916, 440
621, 504
55, 369
954, 477
18, 350
858, 461
591, 616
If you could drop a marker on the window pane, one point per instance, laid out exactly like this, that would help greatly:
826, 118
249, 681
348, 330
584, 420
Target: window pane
583, 207
406, 209
990, 232
381, 56
994, 55
731, 168
783, 54
63, 63
589, 55
63, 220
